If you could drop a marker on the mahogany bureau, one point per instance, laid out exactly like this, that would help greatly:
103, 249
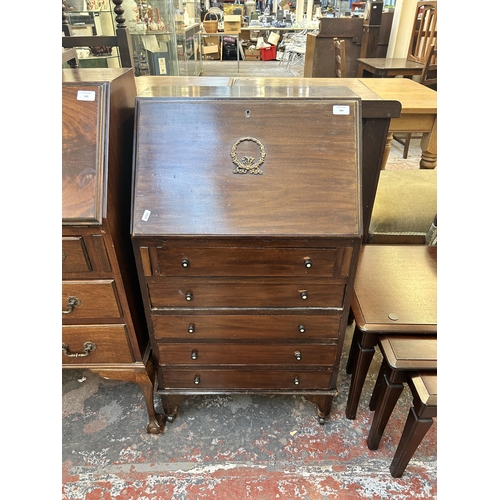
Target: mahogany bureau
103, 324
246, 228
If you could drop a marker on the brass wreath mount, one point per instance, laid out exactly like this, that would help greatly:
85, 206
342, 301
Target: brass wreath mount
247, 165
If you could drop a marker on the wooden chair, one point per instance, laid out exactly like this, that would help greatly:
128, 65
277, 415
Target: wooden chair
339, 58
428, 77
424, 35
121, 39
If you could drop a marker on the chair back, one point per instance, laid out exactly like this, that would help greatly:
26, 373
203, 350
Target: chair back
339, 58
121, 39
424, 33
429, 71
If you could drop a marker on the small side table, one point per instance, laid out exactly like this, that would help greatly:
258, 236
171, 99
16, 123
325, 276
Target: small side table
395, 293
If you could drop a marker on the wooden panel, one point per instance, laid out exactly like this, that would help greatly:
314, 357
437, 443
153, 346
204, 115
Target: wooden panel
74, 256
249, 261
97, 299
182, 190
83, 152
239, 326
247, 379
245, 293
111, 344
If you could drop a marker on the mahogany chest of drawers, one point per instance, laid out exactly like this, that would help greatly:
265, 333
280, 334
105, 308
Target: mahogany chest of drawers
103, 323
246, 228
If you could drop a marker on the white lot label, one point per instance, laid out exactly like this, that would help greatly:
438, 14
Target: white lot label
85, 95
145, 215
341, 109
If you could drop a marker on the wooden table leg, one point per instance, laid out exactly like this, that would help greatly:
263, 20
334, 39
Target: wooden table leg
389, 387
387, 150
429, 148
364, 356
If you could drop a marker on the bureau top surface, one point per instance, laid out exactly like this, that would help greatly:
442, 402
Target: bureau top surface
247, 161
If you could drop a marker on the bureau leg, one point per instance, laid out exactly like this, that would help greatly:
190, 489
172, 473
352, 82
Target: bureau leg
324, 404
171, 406
144, 377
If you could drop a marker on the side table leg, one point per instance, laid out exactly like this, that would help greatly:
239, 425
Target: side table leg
386, 401
415, 430
366, 348
429, 148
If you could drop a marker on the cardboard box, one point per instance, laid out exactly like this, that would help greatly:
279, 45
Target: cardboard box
210, 40
252, 55
232, 25
210, 49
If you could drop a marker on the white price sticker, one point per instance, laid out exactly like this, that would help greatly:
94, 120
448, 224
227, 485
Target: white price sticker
85, 95
341, 109
145, 215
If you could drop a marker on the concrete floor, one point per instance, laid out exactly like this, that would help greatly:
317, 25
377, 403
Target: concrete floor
236, 447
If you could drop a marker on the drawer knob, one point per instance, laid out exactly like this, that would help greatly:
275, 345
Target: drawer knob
71, 304
296, 380
303, 295
189, 296
194, 355
191, 328
298, 355
87, 347
308, 263
197, 380
185, 263
302, 329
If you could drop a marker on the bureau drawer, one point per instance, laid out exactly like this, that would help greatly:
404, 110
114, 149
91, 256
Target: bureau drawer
240, 326
74, 256
320, 262
200, 380
246, 354
111, 344
91, 299
199, 292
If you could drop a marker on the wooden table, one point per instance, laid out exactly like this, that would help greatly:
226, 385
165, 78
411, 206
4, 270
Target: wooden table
381, 67
418, 113
395, 293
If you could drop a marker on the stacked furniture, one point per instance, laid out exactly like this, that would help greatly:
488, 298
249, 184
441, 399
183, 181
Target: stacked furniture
103, 321
247, 247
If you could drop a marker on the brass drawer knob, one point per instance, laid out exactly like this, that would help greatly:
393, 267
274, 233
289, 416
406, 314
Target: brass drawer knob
303, 295
189, 296
194, 355
191, 328
197, 380
298, 355
296, 380
308, 263
185, 263
71, 304
87, 347
302, 329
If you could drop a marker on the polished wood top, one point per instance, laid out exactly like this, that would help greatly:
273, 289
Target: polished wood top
407, 352
148, 85
396, 289
414, 98
390, 63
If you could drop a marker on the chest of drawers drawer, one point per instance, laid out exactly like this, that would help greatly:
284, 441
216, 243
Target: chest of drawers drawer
238, 292
95, 344
75, 258
94, 299
246, 354
195, 380
270, 327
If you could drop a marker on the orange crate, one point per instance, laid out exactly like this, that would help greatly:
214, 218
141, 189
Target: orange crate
268, 53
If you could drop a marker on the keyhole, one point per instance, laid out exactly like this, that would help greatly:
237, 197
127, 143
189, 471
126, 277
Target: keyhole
247, 113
